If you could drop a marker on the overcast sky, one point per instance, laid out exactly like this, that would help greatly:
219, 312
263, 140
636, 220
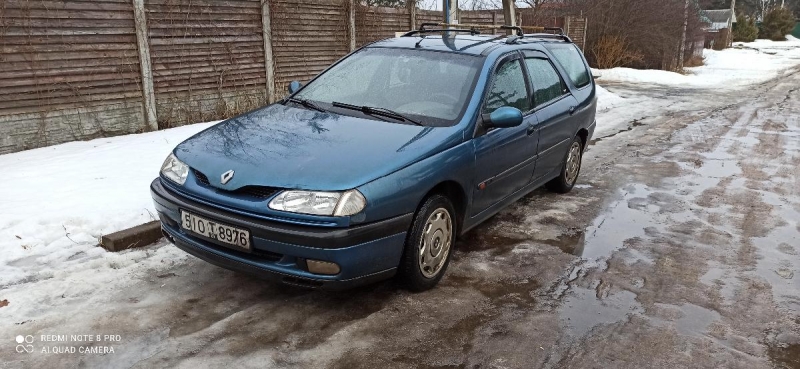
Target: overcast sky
464, 4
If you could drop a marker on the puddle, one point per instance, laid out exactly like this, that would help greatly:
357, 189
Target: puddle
687, 319
721, 280
503, 290
582, 310
610, 230
571, 242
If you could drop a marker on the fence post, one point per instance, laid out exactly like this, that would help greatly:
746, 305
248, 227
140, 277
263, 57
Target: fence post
412, 14
269, 65
148, 93
585, 27
351, 24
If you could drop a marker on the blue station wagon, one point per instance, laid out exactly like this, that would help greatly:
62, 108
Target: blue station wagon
374, 167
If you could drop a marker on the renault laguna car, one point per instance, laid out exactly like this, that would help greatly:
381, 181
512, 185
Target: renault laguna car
375, 166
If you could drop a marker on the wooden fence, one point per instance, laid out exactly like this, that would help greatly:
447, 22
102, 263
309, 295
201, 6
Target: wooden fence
68, 70
81, 69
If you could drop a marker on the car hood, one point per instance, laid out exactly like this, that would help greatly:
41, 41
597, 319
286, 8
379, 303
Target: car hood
286, 147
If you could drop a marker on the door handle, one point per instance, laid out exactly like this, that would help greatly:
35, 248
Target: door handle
571, 110
531, 129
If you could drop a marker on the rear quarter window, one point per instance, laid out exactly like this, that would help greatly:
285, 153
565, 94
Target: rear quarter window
571, 60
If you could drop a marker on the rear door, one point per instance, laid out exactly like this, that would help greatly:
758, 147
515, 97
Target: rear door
505, 157
576, 72
554, 107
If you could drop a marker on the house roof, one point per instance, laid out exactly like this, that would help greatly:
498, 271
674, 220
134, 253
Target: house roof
719, 16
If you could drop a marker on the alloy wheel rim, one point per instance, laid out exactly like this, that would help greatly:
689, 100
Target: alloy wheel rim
435, 243
573, 162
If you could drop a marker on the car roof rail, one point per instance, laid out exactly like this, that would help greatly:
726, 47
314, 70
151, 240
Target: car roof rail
474, 29
541, 32
548, 35
423, 30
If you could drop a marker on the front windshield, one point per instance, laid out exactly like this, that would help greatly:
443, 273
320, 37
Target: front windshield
430, 87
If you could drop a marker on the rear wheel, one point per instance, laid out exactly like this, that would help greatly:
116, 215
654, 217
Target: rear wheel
570, 170
428, 244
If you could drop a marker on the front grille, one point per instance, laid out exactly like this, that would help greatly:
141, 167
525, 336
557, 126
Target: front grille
259, 192
201, 178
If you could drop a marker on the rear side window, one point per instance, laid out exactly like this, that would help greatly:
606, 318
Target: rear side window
508, 89
570, 58
546, 82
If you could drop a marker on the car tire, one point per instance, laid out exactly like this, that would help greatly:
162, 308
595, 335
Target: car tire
570, 169
429, 244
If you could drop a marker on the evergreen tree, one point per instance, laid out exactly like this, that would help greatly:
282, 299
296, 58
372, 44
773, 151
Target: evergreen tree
745, 30
778, 23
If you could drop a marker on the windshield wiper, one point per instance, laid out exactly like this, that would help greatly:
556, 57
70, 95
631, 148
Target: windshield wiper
377, 111
305, 103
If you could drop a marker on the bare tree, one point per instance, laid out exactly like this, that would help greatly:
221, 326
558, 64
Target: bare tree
642, 33
483, 4
536, 6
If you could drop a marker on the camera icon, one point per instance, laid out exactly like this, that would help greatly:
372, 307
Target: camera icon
24, 344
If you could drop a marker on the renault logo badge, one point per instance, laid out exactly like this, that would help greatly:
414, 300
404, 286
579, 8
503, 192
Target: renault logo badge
226, 177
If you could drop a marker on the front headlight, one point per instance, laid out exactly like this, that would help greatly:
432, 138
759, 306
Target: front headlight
175, 169
319, 202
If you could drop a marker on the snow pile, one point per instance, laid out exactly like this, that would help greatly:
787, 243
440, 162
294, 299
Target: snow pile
743, 65
607, 100
58, 200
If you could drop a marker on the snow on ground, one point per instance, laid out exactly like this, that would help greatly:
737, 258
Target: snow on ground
58, 200
743, 65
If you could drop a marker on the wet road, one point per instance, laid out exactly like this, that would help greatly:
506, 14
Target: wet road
679, 248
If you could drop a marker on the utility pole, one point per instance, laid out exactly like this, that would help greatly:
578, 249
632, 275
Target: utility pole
682, 53
450, 8
509, 14
729, 39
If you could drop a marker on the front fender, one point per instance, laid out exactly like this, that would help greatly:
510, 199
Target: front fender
402, 191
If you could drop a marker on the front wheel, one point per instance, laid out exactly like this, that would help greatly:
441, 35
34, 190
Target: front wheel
428, 244
569, 171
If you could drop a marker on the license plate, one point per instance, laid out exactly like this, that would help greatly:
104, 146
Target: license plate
225, 234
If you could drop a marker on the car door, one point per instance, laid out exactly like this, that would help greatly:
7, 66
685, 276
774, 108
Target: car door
504, 157
554, 107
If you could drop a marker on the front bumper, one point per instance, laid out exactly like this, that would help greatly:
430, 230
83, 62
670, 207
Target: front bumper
365, 253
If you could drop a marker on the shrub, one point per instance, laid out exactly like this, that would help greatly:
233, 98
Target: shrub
613, 51
778, 23
694, 61
745, 30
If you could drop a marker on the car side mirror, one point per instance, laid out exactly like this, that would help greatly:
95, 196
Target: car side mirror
505, 117
294, 86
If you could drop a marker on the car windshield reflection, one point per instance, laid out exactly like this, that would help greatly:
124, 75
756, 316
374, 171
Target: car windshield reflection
431, 87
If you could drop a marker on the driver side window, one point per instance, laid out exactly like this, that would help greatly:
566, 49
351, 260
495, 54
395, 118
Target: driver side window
508, 88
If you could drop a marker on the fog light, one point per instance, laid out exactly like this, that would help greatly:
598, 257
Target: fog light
322, 267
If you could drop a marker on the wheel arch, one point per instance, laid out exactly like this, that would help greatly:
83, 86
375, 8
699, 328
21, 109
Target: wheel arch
583, 133
455, 192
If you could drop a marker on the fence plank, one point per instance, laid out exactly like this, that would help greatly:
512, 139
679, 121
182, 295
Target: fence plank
145, 67
269, 59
